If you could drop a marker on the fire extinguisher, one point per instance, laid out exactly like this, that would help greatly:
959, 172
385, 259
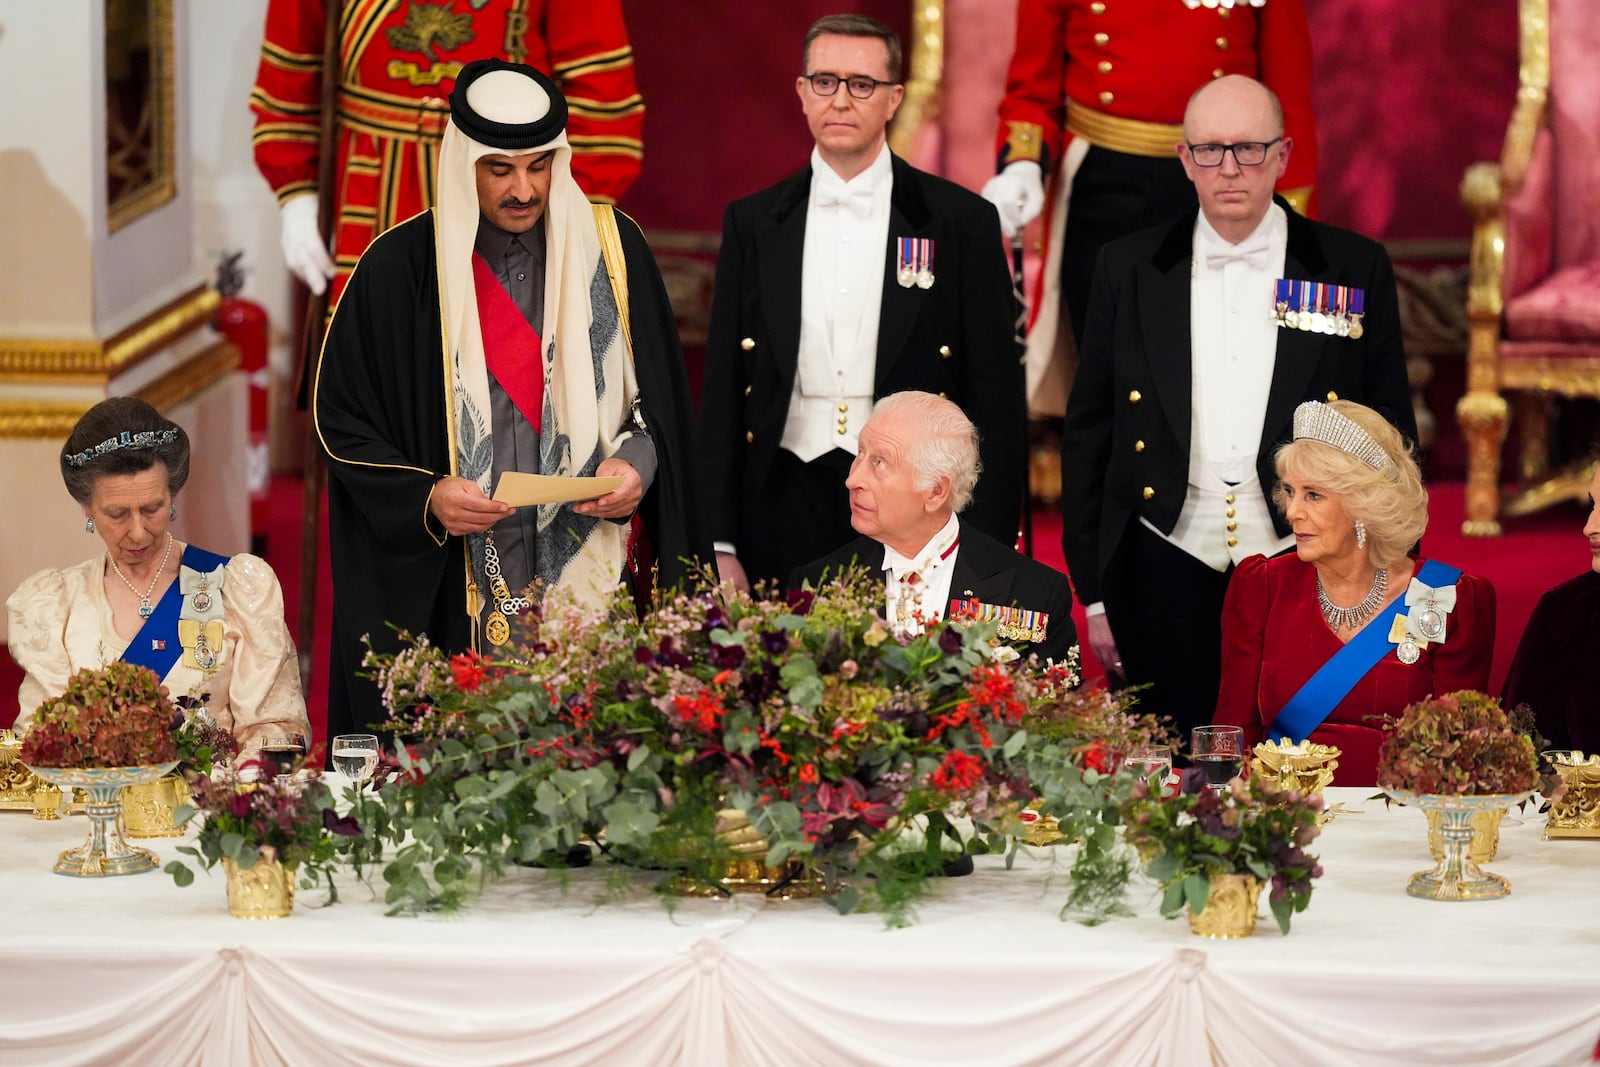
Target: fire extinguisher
244, 323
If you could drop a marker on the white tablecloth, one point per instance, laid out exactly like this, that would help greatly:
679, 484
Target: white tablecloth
134, 970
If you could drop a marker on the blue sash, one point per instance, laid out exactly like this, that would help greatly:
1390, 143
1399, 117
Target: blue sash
156, 644
1322, 692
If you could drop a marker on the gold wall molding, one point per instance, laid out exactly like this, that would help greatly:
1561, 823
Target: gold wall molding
96, 362
52, 420
921, 104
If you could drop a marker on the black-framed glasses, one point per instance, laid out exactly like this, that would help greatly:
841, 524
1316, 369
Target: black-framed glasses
860, 86
1245, 153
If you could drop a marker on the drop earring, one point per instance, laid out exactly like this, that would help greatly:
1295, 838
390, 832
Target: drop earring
172, 512
88, 525
1361, 534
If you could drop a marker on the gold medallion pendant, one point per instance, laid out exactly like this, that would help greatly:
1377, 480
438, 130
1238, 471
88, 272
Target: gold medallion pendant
497, 630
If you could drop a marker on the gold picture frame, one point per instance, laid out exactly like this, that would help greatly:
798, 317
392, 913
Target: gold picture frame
140, 129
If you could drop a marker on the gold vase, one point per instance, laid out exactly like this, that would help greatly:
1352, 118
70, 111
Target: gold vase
46, 801
747, 872
147, 807
17, 783
1457, 875
1485, 834
263, 891
1305, 767
1230, 910
1577, 812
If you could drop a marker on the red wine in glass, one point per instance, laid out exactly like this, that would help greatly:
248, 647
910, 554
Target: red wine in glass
1220, 768
282, 753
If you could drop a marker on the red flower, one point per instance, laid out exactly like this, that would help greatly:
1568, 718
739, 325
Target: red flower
1095, 757
469, 671
240, 803
722, 677
808, 774
702, 711
958, 773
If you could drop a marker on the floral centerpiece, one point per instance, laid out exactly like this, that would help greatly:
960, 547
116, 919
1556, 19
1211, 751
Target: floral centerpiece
286, 826
1461, 759
1459, 744
1252, 828
110, 728
201, 741
846, 748
117, 716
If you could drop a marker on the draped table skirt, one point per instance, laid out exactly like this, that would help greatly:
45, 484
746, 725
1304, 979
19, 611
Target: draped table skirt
138, 971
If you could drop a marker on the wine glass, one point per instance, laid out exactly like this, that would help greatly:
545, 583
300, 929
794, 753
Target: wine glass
1219, 752
356, 756
281, 752
1148, 760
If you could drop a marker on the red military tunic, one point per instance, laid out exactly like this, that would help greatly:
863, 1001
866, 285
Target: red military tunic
1126, 65
1118, 74
400, 59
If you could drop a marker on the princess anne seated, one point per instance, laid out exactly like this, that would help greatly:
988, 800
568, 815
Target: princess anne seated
1324, 644
211, 628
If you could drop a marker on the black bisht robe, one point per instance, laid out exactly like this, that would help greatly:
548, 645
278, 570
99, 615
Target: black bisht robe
1555, 670
381, 406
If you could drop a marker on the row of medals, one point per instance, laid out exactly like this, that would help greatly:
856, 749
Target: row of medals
1334, 323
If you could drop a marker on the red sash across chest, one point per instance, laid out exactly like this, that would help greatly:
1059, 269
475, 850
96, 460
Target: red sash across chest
511, 346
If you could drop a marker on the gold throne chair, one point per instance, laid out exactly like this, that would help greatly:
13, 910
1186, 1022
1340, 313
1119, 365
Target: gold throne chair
1533, 300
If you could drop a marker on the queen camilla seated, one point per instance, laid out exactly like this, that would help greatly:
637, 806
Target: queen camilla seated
1324, 645
210, 627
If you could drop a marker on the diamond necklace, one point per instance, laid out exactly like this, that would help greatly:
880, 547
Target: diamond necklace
145, 608
1351, 618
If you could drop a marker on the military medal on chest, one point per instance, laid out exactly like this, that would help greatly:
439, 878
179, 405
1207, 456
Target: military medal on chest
914, 262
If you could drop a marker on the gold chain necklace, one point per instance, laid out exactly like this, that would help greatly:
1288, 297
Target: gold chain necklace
145, 607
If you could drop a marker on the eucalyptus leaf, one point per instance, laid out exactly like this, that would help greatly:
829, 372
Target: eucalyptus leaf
1196, 891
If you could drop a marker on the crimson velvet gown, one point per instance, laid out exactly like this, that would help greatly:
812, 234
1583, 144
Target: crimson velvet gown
1274, 639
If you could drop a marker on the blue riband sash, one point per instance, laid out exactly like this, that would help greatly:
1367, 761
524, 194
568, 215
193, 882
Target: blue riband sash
156, 644
1323, 691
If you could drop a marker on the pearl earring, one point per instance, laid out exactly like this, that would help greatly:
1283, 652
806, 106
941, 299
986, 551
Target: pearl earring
1361, 534
88, 525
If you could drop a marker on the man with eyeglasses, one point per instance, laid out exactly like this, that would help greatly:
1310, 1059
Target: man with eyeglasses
1188, 378
1094, 94
858, 277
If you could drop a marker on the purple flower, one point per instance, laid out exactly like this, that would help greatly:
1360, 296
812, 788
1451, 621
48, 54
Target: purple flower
1192, 781
949, 641
345, 826
727, 656
775, 642
643, 655
1215, 824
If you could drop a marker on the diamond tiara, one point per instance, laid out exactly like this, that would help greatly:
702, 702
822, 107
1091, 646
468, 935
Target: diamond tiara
1316, 421
126, 439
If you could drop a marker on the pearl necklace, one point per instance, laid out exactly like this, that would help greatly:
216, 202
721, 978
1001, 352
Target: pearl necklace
145, 607
1352, 618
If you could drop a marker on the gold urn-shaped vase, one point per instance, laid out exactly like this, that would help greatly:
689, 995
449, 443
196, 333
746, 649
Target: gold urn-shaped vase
264, 890
147, 807
748, 872
1576, 813
1457, 875
1230, 910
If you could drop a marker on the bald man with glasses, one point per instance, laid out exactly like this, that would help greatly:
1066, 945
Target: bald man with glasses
858, 277
1201, 339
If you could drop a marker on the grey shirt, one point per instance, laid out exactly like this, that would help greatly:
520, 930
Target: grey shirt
518, 261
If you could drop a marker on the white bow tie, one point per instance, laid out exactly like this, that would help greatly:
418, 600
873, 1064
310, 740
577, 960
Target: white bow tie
837, 194
1253, 251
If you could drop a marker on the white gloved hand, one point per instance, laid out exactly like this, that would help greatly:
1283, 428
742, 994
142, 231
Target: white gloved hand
1018, 193
304, 251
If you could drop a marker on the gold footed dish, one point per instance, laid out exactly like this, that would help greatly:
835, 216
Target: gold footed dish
1577, 812
1457, 876
265, 890
17, 783
747, 873
1305, 767
1041, 829
105, 853
1230, 910
148, 806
